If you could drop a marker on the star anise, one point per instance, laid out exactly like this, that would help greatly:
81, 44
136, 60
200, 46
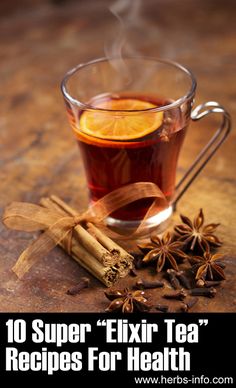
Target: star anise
194, 234
208, 268
127, 301
162, 250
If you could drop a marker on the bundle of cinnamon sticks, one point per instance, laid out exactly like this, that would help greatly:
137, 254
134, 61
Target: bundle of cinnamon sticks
91, 248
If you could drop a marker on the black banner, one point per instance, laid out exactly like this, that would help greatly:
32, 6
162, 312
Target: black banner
137, 349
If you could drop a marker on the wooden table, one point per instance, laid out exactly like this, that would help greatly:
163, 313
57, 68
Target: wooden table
39, 156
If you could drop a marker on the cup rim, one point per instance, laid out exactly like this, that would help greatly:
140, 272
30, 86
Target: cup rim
176, 103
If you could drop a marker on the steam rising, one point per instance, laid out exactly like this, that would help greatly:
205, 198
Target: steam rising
133, 29
127, 13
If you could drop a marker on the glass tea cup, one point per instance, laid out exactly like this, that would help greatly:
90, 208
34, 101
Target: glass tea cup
130, 126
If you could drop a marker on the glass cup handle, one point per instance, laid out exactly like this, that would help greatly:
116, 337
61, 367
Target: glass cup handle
210, 148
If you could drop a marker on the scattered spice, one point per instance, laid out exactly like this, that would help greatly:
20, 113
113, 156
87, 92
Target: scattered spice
138, 261
195, 235
185, 307
205, 274
174, 281
179, 295
208, 283
212, 283
208, 292
74, 290
127, 301
184, 280
162, 250
145, 284
200, 283
207, 267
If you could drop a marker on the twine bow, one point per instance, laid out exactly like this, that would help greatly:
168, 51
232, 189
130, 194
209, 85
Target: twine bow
29, 217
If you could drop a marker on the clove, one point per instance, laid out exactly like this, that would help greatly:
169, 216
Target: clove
74, 290
162, 307
173, 279
212, 283
179, 295
208, 283
208, 292
138, 261
185, 307
200, 283
142, 284
184, 280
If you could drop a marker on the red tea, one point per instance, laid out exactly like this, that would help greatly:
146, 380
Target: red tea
114, 161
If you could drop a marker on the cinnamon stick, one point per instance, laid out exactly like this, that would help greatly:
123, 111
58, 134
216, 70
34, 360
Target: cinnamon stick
125, 260
118, 257
91, 248
107, 275
84, 238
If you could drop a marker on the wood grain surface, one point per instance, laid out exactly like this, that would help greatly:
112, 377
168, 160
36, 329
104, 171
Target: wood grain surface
39, 156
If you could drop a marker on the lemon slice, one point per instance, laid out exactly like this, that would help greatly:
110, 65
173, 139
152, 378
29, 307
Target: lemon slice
121, 125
